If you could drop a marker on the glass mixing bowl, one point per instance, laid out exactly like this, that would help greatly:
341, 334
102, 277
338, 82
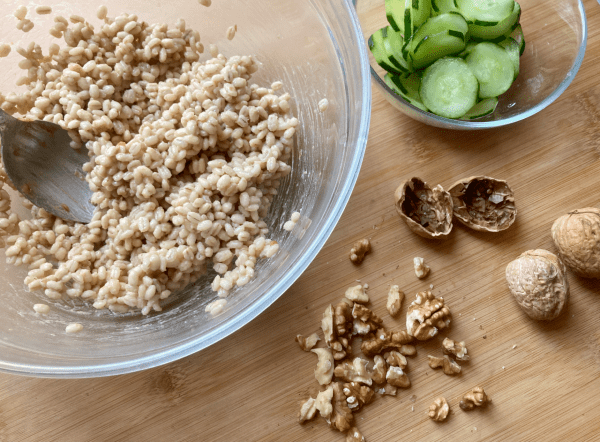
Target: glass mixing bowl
317, 49
555, 35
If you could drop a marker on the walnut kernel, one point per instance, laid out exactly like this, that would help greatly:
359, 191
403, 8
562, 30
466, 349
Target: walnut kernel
408, 350
323, 402
384, 340
358, 294
360, 249
324, 370
426, 315
449, 366
306, 343
354, 435
483, 203
388, 390
365, 321
577, 237
396, 377
379, 369
538, 281
357, 395
394, 301
474, 398
438, 411
396, 359
341, 418
307, 410
421, 269
426, 211
457, 349
353, 372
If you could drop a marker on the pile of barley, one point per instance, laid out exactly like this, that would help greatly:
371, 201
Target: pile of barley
185, 158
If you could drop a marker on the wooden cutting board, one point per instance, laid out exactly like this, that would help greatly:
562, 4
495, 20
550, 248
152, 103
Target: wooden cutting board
544, 378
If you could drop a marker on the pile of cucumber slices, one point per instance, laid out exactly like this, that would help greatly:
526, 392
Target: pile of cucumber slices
450, 57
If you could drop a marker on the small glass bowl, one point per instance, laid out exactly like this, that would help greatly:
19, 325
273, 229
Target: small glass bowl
555, 36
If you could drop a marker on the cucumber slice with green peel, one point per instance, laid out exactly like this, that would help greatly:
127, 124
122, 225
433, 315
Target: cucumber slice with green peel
512, 49
467, 50
393, 45
449, 88
485, 12
438, 37
394, 11
493, 68
442, 6
481, 109
378, 49
517, 35
406, 88
497, 31
421, 11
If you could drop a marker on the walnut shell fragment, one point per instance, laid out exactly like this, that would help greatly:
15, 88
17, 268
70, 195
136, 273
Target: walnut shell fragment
426, 211
538, 281
483, 203
577, 237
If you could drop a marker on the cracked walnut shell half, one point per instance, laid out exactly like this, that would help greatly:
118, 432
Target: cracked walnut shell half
577, 237
538, 281
426, 211
483, 203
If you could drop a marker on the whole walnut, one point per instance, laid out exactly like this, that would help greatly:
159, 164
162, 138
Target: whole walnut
538, 281
577, 237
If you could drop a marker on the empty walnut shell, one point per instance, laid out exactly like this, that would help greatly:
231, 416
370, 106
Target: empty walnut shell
426, 211
538, 281
483, 203
577, 237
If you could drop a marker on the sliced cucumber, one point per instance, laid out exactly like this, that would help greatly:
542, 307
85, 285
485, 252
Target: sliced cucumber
421, 10
512, 49
407, 86
517, 35
394, 11
438, 37
378, 49
468, 48
485, 12
449, 88
481, 109
498, 30
393, 44
442, 6
493, 68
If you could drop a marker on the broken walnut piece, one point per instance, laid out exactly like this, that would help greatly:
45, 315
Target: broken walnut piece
438, 411
354, 435
358, 294
306, 343
334, 320
307, 410
323, 402
426, 211
397, 377
355, 371
357, 395
342, 318
449, 366
396, 359
365, 321
457, 349
388, 390
379, 369
483, 203
421, 269
426, 316
474, 398
394, 301
383, 340
324, 369
408, 350
359, 250
341, 418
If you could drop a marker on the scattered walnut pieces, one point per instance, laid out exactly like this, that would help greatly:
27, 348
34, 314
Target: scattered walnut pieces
341, 418
358, 294
426, 211
408, 350
334, 321
323, 402
538, 281
421, 269
394, 301
396, 377
357, 395
396, 359
457, 349
384, 340
306, 343
388, 390
438, 411
449, 366
426, 315
307, 410
354, 435
379, 369
324, 370
474, 398
483, 203
360, 249
365, 321
355, 371
577, 237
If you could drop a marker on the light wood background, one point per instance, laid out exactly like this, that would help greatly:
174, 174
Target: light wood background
248, 387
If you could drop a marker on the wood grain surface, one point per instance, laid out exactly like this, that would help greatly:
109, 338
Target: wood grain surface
248, 387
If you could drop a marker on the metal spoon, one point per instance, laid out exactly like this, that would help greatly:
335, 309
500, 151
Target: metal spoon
46, 170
